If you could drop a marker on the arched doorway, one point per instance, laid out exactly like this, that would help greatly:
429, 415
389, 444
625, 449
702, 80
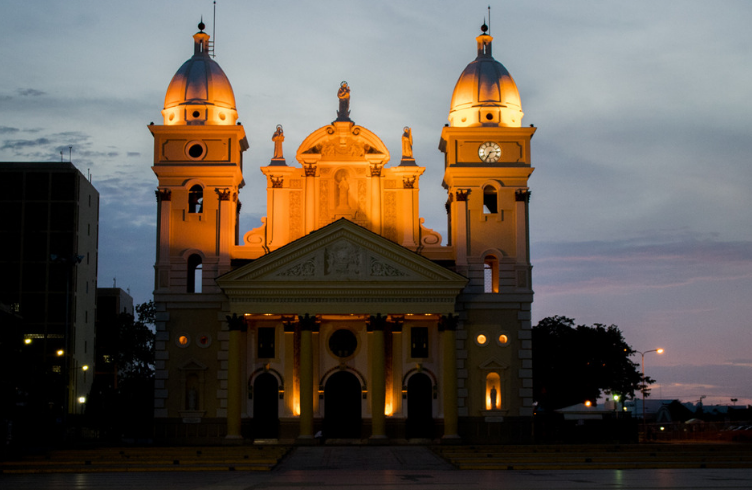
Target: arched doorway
342, 406
265, 412
419, 407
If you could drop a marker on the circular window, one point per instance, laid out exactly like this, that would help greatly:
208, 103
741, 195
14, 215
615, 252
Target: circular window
342, 343
204, 341
502, 339
222, 116
489, 116
196, 113
195, 151
183, 340
481, 339
172, 116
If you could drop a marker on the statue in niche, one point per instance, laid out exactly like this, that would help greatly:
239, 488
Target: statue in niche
494, 394
407, 143
278, 137
343, 94
343, 190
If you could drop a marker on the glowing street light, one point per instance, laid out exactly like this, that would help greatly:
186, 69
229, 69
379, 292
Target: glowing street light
644, 385
60, 352
27, 341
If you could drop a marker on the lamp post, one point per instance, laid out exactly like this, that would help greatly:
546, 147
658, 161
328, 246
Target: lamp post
644, 385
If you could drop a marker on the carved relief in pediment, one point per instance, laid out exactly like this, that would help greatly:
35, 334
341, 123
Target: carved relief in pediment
379, 268
343, 259
304, 269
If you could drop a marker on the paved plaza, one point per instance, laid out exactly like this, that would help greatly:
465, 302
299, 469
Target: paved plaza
404, 467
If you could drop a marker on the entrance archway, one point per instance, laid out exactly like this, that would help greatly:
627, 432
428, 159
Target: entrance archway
419, 407
342, 406
265, 411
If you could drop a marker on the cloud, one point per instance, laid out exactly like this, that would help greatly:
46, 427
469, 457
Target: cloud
664, 260
7, 129
133, 154
30, 92
17, 145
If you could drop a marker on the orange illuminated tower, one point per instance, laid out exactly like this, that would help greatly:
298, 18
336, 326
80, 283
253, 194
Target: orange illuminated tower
486, 171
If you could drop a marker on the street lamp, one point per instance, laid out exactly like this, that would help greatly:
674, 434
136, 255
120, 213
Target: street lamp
644, 385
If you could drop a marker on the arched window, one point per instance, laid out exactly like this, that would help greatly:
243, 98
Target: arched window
490, 274
493, 391
196, 199
195, 274
490, 200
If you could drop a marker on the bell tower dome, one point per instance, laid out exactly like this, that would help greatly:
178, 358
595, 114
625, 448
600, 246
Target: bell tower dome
200, 93
198, 159
485, 94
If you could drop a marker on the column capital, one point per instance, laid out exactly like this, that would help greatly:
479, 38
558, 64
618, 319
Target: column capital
163, 194
448, 322
522, 195
377, 322
462, 195
236, 322
309, 323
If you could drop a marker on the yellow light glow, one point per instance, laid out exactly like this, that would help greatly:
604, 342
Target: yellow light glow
503, 339
60, 352
27, 341
481, 339
660, 351
81, 399
85, 367
588, 403
388, 410
296, 408
183, 340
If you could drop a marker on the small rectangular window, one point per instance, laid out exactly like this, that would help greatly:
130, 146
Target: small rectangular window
419, 342
266, 348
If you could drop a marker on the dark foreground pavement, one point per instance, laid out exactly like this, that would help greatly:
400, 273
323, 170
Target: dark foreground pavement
402, 467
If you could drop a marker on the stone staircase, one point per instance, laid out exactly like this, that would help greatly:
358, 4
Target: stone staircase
230, 458
588, 457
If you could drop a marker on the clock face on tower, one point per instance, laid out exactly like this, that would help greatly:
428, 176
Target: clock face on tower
489, 152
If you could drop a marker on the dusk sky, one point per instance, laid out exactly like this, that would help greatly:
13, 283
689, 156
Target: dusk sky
641, 208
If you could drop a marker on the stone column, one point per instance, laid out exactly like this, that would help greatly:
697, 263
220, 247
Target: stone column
378, 382
522, 197
376, 224
225, 228
234, 382
307, 325
164, 215
448, 325
460, 227
310, 197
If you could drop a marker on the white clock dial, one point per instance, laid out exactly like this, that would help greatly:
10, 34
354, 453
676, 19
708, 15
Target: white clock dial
489, 152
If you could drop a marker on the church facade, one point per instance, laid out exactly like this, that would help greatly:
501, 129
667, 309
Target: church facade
342, 315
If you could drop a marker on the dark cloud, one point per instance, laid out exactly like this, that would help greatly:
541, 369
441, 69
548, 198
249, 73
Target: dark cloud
663, 260
30, 92
7, 129
134, 154
17, 145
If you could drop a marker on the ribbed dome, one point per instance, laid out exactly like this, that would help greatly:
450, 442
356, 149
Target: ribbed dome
200, 93
485, 94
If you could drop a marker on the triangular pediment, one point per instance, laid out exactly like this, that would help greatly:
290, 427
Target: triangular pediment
493, 364
342, 268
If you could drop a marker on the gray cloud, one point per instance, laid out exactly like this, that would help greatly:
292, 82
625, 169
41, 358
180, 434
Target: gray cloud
17, 145
30, 92
133, 154
7, 129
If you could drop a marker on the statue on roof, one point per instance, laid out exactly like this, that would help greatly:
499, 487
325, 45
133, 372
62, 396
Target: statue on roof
407, 143
343, 94
278, 137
